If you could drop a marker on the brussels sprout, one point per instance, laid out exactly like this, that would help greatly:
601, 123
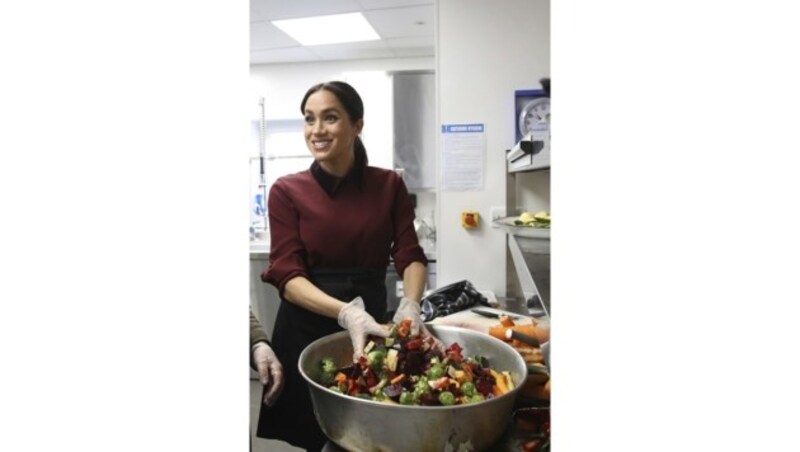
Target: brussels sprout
477, 397
435, 372
422, 386
468, 389
447, 398
335, 388
407, 398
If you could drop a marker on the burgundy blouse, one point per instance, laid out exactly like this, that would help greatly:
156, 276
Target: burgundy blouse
318, 220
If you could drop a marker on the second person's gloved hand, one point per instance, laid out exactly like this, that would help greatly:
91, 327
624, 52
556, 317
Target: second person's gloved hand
270, 371
359, 324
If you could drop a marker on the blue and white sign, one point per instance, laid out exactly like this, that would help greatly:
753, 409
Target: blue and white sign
462, 128
463, 157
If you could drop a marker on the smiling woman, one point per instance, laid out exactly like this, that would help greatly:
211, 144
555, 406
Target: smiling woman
333, 229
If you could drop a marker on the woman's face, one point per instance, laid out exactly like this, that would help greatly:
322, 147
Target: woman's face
329, 132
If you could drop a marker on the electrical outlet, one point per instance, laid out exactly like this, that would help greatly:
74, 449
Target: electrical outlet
497, 213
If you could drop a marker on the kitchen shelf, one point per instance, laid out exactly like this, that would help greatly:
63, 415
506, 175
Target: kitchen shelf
531, 257
507, 224
528, 169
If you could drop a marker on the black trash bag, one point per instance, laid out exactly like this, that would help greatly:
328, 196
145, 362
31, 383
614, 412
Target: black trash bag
449, 299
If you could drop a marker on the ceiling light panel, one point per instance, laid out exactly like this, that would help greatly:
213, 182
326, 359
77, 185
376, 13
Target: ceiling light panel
332, 29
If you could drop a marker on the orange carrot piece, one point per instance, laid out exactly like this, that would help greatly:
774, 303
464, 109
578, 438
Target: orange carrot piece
499, 331
398, 379
506, 321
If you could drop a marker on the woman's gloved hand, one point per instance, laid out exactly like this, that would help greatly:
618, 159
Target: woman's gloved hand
359, 324
269, 370
411, 310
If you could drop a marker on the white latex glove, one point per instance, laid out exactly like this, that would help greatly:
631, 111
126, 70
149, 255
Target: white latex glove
270, 371
411, 310
359, 324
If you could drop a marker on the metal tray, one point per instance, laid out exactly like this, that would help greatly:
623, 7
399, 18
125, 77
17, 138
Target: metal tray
522, 231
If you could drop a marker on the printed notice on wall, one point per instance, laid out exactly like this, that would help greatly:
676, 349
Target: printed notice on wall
463, 157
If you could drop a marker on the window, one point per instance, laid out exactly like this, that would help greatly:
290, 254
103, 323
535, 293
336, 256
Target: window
285, 153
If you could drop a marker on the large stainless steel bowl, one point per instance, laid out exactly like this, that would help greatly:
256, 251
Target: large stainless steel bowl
364, 425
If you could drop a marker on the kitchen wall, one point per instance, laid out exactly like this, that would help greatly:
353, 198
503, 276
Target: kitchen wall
484, 54
283, 87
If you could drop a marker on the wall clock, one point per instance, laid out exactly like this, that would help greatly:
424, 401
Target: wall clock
535, 116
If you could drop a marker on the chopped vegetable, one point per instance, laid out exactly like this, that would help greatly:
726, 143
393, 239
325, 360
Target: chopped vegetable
440, 383
447, 398
398, 379
377, 388
391, 360
407, 398
326, 378
468, 389
506, 321
393, 391
375, 359
436, 371
407, 370
328, 365
422, 386
369, 346
540, 219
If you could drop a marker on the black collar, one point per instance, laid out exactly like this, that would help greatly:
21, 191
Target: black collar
332, 184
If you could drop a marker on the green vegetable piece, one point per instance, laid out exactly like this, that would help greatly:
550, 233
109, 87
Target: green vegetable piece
407, 398
328, 365
435, 372
447, 398
481, 361
335, 388
326, 378
478, 397
468, 389
421, 386
375, 359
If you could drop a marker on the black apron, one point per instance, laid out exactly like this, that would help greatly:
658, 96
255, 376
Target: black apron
291, 418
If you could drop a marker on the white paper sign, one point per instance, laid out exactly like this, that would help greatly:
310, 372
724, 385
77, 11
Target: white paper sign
463, 157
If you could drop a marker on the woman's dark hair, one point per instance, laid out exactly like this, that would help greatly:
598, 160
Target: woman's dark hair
352, 103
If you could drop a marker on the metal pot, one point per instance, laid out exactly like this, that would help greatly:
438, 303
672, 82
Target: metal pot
365, 425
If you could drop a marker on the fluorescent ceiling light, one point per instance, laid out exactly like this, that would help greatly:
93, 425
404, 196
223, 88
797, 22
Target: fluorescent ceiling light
313, 31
